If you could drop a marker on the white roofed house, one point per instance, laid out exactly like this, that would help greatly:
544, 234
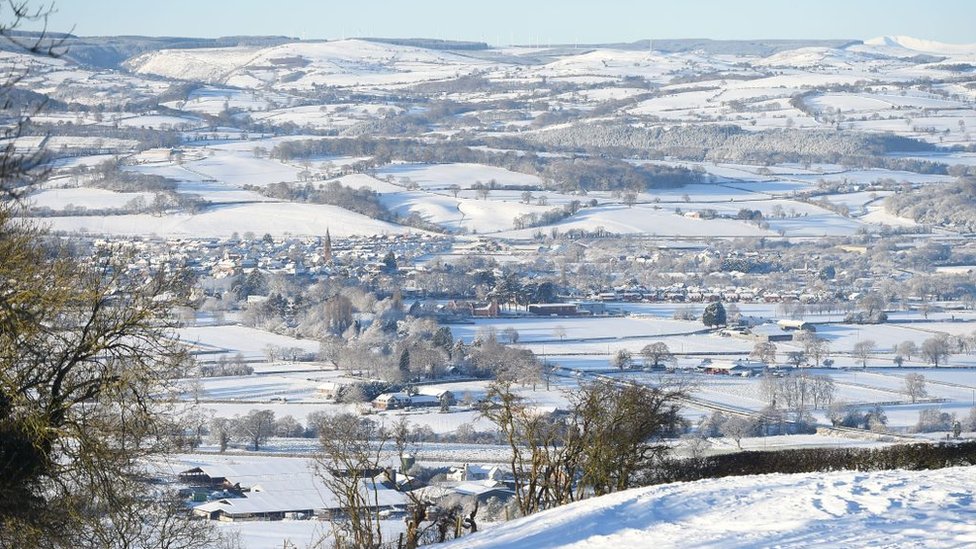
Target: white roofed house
483, 490
734, 368
330, 390
391, 401
468, 472
443, 396
424, 401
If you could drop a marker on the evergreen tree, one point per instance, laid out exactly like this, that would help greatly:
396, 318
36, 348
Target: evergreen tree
714, 314
405, 362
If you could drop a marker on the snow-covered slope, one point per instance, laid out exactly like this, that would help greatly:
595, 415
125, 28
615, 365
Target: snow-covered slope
921, 46
843, 509
305, 64
276, 218
815, 57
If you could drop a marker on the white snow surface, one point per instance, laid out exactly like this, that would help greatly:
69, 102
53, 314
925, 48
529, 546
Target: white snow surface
277, 219
306, 64
840, 509
921, 45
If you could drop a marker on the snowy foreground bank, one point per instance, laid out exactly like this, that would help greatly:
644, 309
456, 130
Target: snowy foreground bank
843, 509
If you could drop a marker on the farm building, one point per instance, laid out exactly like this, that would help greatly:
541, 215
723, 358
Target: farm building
554, 309
739, 367
391, 401
275, 490
443, 396
789, 324
770, 333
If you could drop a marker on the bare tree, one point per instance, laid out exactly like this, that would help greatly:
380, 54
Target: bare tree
156, 522
796, 358
815, 347
915, 387
764, 351
863, 350
908, 349
352, 452
733, 314
823, 391
656, 354
737, 428
936, 349
220, 432
771, 389
797, 391
622, 359
255, 427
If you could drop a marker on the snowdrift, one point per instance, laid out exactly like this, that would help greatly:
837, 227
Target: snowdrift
843, 509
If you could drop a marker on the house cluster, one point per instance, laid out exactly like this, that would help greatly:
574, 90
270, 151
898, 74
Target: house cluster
292, 488
482, 482
681, 293
491, 309
313, 256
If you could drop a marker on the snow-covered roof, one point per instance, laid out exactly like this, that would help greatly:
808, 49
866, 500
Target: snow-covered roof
390, 396
734, 364
479, 487
282, 496
432, 390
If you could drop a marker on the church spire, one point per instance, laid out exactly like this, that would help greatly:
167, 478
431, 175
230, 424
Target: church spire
327, 247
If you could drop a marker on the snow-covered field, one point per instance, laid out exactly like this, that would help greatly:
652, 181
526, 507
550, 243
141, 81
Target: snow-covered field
85, 197
251, 343
277, 219
841, 509
442, 176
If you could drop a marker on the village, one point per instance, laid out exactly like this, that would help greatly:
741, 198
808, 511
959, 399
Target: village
426, 289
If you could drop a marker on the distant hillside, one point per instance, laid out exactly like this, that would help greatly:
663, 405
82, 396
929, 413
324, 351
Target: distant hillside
430, 43
921, 45
109, 52
760, 48
306, 64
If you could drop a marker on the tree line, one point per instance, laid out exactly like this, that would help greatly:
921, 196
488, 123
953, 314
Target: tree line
567, 174
724, 143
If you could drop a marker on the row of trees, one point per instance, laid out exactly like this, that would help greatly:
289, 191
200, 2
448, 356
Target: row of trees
567, 174
798, 392
935, 350
725, 143
363, 200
